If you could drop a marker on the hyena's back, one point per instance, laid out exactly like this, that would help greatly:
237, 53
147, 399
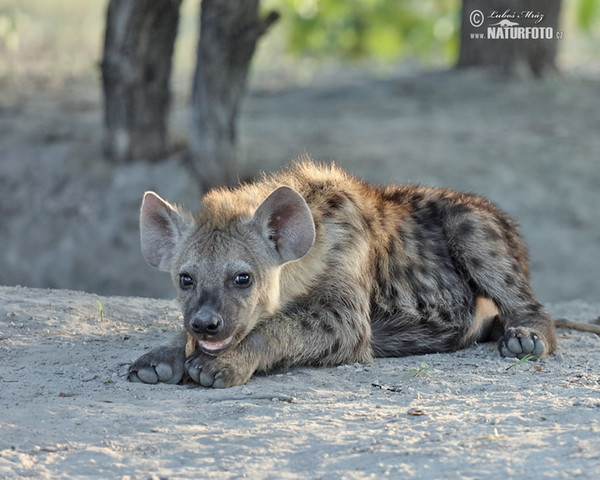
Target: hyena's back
414, 262
426, 296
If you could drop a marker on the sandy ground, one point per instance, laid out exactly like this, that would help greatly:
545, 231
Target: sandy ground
68, 412
69, 219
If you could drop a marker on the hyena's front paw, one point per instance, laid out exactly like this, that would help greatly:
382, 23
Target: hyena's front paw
519, 342
217, 372
162, 364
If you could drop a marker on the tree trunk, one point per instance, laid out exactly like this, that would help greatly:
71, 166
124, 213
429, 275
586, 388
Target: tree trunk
478, 48
138, 47
229, 30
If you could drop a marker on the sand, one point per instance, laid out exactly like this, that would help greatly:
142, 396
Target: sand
68, 411
69, 220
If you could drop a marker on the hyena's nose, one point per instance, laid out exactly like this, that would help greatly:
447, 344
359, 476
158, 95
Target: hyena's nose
206, 322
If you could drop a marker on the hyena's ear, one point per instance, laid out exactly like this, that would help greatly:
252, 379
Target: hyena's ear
161, 229
284, 217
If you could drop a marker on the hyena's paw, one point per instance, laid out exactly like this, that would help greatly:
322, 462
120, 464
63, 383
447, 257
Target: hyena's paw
519, 342
217, 372
162, 364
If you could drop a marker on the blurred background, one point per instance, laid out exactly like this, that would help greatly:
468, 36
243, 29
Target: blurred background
381, 87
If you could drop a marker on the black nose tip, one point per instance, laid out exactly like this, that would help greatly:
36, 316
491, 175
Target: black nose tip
208, 323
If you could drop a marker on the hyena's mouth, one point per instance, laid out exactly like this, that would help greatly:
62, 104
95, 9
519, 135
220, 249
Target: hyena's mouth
213, 348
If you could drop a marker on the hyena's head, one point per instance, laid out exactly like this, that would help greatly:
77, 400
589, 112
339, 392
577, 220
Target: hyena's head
227, 278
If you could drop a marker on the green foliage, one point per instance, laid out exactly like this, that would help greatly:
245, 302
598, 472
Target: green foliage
386, 30
101, 311
527, 357
415, 372
588, 15
50, 39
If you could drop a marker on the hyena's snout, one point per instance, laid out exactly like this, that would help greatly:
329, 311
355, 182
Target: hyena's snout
206, 322
213, 334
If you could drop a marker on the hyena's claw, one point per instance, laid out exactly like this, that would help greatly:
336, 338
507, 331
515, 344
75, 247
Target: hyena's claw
519, 343
163, 364
195, 369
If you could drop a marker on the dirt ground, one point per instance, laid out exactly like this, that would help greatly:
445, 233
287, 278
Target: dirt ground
68, 411
68, 219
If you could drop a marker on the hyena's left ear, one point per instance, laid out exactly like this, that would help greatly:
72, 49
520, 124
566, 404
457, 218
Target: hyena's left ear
284, 217
162, 228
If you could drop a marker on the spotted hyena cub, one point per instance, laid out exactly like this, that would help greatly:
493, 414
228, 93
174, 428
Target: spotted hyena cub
315, 267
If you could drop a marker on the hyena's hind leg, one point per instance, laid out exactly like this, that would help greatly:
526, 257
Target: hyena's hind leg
488, 248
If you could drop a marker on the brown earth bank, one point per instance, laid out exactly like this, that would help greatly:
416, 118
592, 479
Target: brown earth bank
69, 219
68, 411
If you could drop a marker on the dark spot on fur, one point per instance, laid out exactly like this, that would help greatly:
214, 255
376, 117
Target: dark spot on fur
422, 249
445, 317
418, 235
465, 228
505, 224
335, 202
327, 327
491, 234
417, 198
476, 262
523, 296
509, 280
393, 195
423, 271
335, 347
460, 209
534, 307
307, 325
318, 185
439, 248
409, 274
340, 247
350, 227
430, 216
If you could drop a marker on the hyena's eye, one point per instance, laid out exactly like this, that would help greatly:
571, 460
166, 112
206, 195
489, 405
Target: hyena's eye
242, 280
186, 281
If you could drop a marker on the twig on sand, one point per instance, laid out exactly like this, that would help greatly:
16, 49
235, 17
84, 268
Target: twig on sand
273, 398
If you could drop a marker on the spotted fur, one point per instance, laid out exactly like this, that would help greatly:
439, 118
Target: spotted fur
390, 271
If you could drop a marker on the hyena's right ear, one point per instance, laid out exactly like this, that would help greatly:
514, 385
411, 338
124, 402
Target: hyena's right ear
284, 217
161, 229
